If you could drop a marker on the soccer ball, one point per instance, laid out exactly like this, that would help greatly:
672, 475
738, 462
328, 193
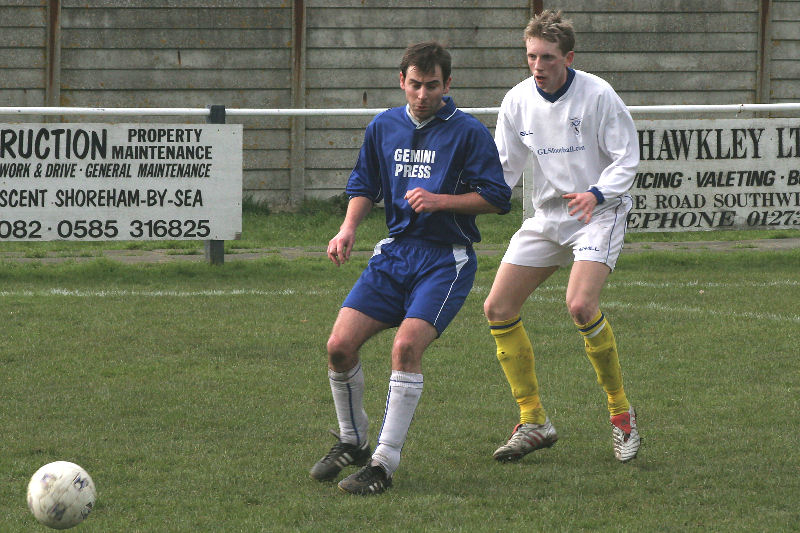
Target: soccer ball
61, 495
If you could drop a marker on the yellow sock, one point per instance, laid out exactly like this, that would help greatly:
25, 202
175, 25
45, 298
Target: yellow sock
515, 353
601, 348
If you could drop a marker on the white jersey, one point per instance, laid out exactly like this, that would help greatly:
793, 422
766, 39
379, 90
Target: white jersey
585, 139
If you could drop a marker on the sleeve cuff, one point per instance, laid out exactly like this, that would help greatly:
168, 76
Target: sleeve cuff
597, 194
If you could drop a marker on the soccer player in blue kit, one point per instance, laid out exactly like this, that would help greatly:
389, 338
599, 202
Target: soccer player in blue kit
435, 168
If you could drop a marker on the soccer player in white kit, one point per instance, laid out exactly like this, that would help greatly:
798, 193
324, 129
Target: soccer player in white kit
585, 152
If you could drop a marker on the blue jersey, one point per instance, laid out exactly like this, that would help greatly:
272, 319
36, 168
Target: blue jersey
451, 154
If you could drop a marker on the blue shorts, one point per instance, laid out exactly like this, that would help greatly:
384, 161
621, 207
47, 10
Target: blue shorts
413, 278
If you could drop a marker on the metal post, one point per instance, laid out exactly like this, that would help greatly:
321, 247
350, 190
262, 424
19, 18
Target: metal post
764, 73
215, 249
53, 54
297, 176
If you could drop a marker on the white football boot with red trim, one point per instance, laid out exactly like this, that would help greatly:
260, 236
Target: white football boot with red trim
526, 438
625, 435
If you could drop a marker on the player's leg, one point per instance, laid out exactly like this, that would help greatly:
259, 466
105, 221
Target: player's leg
583, 295
443, 278
583, 302
596, 247
512, 286
405, 390
350, 331
375, 302
533, 254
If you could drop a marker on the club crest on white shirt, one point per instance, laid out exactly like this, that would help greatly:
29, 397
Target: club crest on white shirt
576, 126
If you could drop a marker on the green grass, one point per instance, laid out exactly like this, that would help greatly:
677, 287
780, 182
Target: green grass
197, 397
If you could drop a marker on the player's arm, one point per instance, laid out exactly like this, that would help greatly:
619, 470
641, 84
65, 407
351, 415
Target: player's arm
618, 140
471, 203
482, 175
512, 151
340, 246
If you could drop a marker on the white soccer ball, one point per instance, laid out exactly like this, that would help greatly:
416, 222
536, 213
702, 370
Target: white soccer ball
61, 495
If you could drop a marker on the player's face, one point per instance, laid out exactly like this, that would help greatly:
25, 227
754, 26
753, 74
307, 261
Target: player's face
548, 65
424, 91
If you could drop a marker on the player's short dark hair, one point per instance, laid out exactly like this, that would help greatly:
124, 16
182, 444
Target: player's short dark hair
425, 56
551, 26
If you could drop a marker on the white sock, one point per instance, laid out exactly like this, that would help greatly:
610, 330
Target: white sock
348, 397
405, 389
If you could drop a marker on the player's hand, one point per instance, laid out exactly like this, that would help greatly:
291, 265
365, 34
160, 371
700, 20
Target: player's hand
340, 246
423, 201
581, 202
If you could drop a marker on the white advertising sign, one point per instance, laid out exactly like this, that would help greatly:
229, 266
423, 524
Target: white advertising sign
120, 182
704, 174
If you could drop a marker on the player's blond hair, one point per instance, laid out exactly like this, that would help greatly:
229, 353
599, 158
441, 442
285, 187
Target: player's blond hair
551, 26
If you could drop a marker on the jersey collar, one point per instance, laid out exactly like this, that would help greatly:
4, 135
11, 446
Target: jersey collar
444, 113
448, 109
559, 93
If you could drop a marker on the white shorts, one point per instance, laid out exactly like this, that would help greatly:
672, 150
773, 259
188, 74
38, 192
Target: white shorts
553, 238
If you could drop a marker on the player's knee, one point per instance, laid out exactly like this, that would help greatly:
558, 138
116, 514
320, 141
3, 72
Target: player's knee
488, 309
581, 310
405, 354
496, 311
340, 352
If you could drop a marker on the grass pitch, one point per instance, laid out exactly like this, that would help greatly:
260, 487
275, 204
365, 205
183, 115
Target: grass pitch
197, 399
